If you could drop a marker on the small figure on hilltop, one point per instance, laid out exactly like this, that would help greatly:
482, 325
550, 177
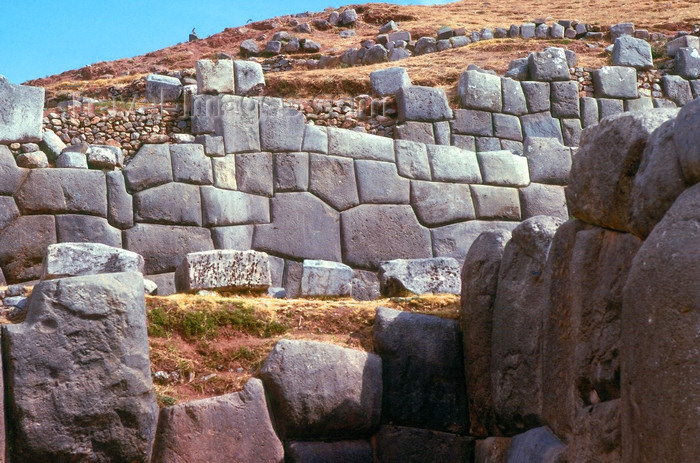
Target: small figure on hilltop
193, 35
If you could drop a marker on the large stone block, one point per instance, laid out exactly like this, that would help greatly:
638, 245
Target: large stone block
513, 97
564, 98
239, 237
677, 89
604, 167
350, 144
21, 252
687, 63
247, 75
324, 278
609, 107
455, 240
349, 451
596, 435
425, 45
281, 129
659, 319
687, 140
436, 275
372, 233
422, 371
380, 183
78, 259
89, 334
226, 270
78, 228
160, 89
8, 211
172, 203
214, 77
635, 53
537, 96
302, 226
226, 207
472, 122
291, 171
412, 160
507, 127
151, 166
164, 246
541, 125
12, 176
233, 428
315, 139
540, 199
479, 281
191, 165
548, 160
451, 164
518, 315
589, 112
549, 65
495, 202
421, 132
332, 178
55, 191
503, 168
423, 104
440, 203
21, 114
224, 172
479, 90
684, 41
398, 444
254, 173
239, 124
389, 81
538, 444
322, 391
615, 82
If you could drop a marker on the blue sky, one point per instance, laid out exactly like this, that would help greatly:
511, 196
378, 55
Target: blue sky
39, 38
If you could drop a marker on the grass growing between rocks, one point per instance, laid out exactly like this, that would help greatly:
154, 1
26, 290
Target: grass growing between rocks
203, 346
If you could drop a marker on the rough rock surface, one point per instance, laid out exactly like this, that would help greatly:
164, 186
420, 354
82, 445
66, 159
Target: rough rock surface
324, 278
78, 374
538, 445
21, 114
438, 275
398, 444
321, 391
224, 270
348, 451
76, 259
21, 253
233, 428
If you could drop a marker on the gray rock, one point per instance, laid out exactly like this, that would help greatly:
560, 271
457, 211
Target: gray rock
423, 386
635, 53
537, 96
161, 89
273, 47
21, 253
33, 160
479, 90
589, 111
454, 240
527, 30
621, 29
12, 176
557, 31
565, 101
172, 203
687, 140
460, 41
349, 451
514, 31
445, 32
391, 26
437, 204
254, 173
425, 45
322, 391
603, 169
315, 139
442, 133
78, 228
609, 107
380, 183
542, 31
398, 444
8, 211
213, 145
291, 172
396, 54
465, 142
332, 178
191, 165
151, 166
365, 285
238, 237
513, 97
78, 259
120, 210
81, 329
514, 147
494, 202
423, 104
677, 89
487, 144
55, 191
541, 125
311, 47
239, 125
226, 270
507, 126
443, 45
71, 160
373, 233
375, 54
226, 207
451, 164
165, 283
548, 160
695, 87
438, 275
324, 278
348, 17
421, 132
479, 281
250, 47
538, 444
518, 315
302, 226
233, 428
615, 82
504, 168
571, 131
389, 81
214, 77
472, 122
224, 172
22, 113
105, 157
549, 65
518, 69
412, 160
540, 199
164, 246
658, 316
281, 129
643, 103
51, 144
684, 41
247, 75
596, 434
350, 144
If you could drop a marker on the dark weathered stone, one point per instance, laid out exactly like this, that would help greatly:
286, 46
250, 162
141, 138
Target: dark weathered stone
513, 97
479, 90
349, 451
21, 253
538, 445
22, 112
440, 203
75, 228
677, 89
365, 285
518, 313
398, 444
324, 278
412, 160
150, 167
373, 233
120, 206
541, 125
8, 211
164, 246
615, 82
227, 270
540, 199
172, 203
504, 168
495, 202
423, 104
254, 173
332, 178
380, 183
479, 284
239, 237
89, 334
687, 140
454, 240
291, 171
472, 122
191, 165
302, 226
548, 160
596, 436
233, 428
537, 96
12, 176
55, 191
226, 207
165, 283
565, 99
239, 124
322, 391
549, 65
